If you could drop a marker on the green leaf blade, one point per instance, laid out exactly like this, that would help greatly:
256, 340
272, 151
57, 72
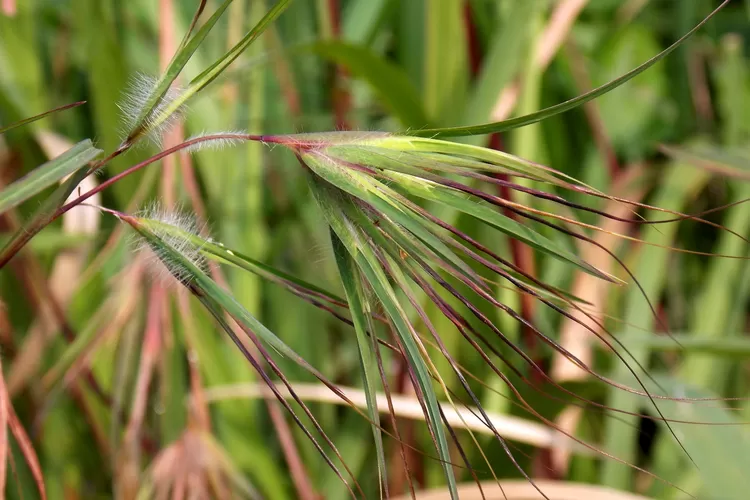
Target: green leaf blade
48, 174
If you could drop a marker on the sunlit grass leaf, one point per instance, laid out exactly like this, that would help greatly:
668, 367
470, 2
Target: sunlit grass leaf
48, 174
538, 116
721, 161
32, 119
731, 345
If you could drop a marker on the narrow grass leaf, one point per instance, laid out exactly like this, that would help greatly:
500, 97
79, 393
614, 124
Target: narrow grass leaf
32, 119
48, 174
40, 217
489, 128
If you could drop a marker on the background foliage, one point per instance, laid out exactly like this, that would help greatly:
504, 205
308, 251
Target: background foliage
77, 306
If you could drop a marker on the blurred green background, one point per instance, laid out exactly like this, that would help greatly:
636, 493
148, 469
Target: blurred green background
77, 305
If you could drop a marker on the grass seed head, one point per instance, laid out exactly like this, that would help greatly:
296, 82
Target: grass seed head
163, 263
140, 90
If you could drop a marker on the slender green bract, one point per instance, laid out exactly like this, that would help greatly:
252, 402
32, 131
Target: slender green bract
41, 217
222, 254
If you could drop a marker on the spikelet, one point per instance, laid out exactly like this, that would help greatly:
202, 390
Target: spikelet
140, 89
160, 262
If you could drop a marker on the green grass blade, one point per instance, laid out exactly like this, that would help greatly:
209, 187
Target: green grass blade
40, 217
733, 345
361, 19
503, 61
445, 60
712, 314
32, 119
48, 174
390, 83
679, 184
489, 128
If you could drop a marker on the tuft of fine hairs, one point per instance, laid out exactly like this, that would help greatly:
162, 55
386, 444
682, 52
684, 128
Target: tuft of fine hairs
160, 263
140, 89
218, 140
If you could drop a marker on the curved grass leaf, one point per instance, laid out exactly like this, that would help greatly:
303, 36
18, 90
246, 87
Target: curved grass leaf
521, 121
724, 162
32, 119
733, 345
48, 174
390, 83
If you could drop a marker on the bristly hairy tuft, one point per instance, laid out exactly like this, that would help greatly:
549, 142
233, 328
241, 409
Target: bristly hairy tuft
140, 89
161, 263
